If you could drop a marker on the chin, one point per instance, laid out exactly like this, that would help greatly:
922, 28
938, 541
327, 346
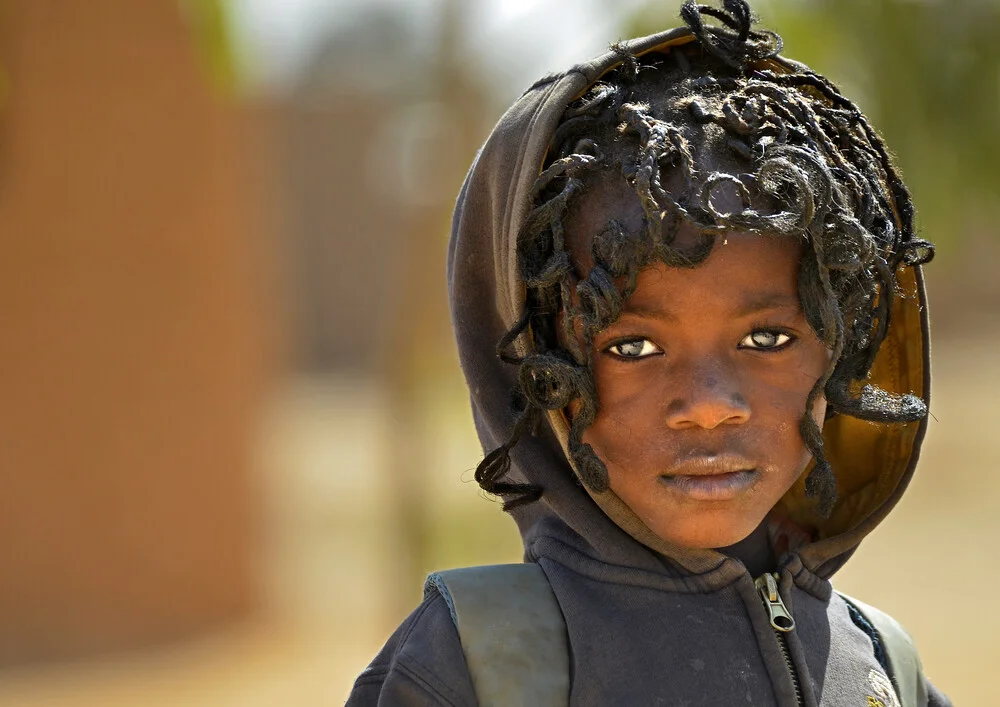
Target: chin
706, 535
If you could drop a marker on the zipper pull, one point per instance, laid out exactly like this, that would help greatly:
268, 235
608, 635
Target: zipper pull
780, 619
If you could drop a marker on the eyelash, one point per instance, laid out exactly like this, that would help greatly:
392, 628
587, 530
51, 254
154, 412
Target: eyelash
777, 331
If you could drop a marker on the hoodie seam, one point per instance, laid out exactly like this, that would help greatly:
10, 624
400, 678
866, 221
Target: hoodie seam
809, 582
412, 674
549, 87
691, 584
509, 214
416, 671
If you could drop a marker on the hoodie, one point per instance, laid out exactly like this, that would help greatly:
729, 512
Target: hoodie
648, 622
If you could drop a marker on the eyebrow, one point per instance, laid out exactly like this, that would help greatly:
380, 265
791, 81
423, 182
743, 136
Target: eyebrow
760, 303
767, 302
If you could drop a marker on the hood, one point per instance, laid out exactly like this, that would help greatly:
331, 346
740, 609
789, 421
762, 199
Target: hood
873, 463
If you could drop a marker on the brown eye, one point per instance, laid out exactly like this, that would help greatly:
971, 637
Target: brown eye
765, 339
637, 348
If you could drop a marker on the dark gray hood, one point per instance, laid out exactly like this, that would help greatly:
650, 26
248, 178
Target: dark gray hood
487, 297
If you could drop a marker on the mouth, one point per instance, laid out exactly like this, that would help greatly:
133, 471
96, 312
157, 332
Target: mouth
712, 477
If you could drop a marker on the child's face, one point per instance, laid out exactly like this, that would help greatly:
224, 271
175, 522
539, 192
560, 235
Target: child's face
702, 382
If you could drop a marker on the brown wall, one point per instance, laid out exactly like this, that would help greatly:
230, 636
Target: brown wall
132, 355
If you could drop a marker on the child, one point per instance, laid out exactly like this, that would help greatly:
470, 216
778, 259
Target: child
700, 266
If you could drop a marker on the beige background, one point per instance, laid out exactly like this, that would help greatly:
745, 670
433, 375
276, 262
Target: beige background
233, 437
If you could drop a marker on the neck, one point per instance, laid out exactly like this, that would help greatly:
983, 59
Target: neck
754, 551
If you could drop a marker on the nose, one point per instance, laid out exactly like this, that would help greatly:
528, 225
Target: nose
706, 396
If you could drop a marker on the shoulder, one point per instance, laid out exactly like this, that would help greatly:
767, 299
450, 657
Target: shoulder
421, 664
899, 652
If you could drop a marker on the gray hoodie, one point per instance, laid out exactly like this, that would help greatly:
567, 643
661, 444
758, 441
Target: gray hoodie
648, 622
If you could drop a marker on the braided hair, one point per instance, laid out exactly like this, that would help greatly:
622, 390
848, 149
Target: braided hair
806, 163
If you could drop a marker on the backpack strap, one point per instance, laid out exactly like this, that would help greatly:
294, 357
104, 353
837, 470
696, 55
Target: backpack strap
905, 670
512, 631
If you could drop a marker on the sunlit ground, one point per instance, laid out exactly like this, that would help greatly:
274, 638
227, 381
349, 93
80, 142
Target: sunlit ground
931, 564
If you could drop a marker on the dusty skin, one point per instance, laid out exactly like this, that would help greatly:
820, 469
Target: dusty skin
309, 649
700, 382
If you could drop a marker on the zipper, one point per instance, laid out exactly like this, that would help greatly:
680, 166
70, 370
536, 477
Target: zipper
782, 623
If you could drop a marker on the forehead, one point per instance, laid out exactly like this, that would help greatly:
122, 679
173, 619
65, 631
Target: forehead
608, 198
603, 200
744, 275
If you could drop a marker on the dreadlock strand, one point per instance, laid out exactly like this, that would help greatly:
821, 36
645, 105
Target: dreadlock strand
496, 465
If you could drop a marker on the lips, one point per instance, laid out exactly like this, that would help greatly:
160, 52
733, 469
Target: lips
700, 464
712, 477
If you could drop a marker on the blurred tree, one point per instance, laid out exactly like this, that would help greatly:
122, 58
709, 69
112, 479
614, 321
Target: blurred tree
926, 72
378, 131
210, 23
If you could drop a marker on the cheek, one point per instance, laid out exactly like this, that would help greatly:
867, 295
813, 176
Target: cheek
819, 410
794, 379
779, 411
814, 361
630, 426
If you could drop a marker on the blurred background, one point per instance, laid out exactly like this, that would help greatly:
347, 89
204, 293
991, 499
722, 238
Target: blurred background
233, 433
